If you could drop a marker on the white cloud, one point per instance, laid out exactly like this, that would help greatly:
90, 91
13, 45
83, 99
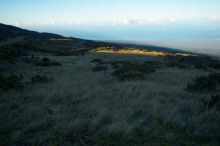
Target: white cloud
122, 22
17, 23
156, 20
215, 18
47, 23
173, 20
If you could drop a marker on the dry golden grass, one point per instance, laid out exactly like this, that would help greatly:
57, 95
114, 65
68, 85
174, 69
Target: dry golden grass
135, 51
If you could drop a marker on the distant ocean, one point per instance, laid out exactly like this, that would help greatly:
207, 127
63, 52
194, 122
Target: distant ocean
209, 47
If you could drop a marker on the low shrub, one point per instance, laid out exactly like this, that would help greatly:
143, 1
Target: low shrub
214, 65
11, 82
153, 64
178, 62
9, 54
99, 68
204, 83
131, 75
41, 79
215, 77
63, 53
133, 71
145, 68
198, 62
31, 59
118, 62
201, 84
178, 65
47, 62
98, 60
115, 66
213, 102
200, 65
81, 52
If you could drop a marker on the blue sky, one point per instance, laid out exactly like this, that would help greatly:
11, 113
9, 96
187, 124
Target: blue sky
100, 17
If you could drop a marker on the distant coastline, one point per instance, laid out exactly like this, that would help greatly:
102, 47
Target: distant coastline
206, 47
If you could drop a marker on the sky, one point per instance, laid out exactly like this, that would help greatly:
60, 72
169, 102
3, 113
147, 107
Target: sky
117, 19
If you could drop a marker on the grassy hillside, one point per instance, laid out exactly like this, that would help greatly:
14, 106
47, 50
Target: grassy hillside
47, 42
10, 32
108, 99
67, 91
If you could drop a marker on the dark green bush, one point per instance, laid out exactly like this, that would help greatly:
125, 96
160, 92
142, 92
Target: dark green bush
215, 77
214, 101
63, 53
11, 82
118, 62
98, 60
9, 54
215, 65
135, 71
41, 79
199, 65
193, 61
35, 60
131, 75
153, 64
115, 66
145, 68
80, 52
99, 68
47, 62
31, 60
204, 83
178, 64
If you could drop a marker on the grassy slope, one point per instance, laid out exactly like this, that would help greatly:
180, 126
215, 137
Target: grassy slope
84, 108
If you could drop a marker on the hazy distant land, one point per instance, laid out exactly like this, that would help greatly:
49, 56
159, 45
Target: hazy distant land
209, 47
206, 47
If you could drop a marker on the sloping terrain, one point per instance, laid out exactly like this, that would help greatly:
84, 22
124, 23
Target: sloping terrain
47, 42
8, 32
58, 91
109, 99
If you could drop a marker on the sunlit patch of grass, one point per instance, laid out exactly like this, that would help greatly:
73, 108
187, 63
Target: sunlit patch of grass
136, 51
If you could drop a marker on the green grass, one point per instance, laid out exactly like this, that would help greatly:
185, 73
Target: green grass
83, 107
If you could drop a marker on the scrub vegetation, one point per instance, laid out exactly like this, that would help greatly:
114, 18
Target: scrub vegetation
108, 99
63, 92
